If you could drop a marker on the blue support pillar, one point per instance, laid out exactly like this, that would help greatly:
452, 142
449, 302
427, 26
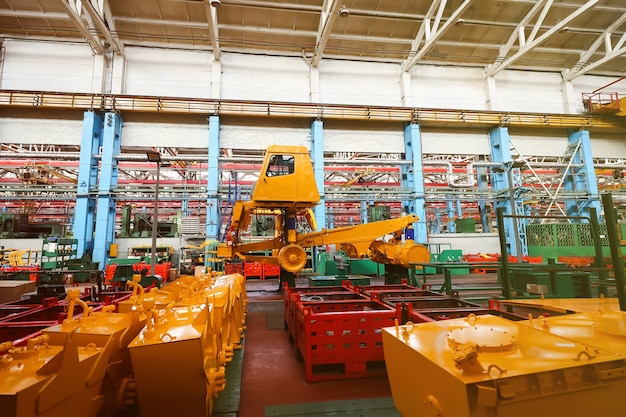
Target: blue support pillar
583, 178
84, 212
364, 218
105, 212
482, 204
450, 203
213, 181
317, 153
505, 182
413, 178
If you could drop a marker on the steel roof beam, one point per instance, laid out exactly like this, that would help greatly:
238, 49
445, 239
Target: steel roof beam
328, 16
529, 46
74, 11
518, 33
432, 34
211, 18
616, 53
102, 23
582, 66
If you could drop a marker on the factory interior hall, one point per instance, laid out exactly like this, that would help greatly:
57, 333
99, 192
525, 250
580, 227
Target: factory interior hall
242, 208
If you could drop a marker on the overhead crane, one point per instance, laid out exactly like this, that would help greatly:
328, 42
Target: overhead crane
249, 108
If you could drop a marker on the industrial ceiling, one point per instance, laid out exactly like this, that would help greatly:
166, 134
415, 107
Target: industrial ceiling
574, 37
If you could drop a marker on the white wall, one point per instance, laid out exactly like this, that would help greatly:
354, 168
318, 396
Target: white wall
448, 87
166, 72
65, 67
264, 78
457, 142
68, 67
40, 131
359, 83
525, 91
182, 135
260, 137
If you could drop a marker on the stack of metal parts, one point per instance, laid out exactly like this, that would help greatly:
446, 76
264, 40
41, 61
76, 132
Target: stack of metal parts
481, 366
161, 351
337, 330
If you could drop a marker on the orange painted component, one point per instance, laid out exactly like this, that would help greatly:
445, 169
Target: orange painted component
577, 261
526, 259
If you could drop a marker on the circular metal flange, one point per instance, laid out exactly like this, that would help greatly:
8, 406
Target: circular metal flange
292, 258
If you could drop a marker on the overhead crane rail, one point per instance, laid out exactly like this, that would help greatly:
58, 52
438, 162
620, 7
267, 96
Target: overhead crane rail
438, 117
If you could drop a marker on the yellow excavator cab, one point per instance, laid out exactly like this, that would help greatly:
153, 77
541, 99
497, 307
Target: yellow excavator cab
286, 179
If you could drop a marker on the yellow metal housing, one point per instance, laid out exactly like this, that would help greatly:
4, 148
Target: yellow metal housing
487, 366
179, 358
52, 381
286, 179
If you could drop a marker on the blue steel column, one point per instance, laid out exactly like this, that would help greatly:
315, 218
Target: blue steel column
501, 153
583, 178
87, 178
413, 178
317, 153
451, 214
364, 218
105, 212
482, 204
213, 180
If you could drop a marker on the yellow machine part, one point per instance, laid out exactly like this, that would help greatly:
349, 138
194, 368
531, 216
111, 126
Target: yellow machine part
190, 340
287, 187
564, 305
98, 329
398, 254
286, 178
356, 250
292, 258
604, 329
44, 380
487, 366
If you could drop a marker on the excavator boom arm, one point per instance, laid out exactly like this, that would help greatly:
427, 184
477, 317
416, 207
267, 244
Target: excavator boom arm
357, 233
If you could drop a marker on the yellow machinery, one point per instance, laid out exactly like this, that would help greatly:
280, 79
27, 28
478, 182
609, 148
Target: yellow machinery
99, 329
163, 349
286, 188
179, 358
488, 366
46, 380
557, 305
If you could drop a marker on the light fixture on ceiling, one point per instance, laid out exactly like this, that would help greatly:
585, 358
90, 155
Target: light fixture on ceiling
459, 22
343, 11
216, 3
